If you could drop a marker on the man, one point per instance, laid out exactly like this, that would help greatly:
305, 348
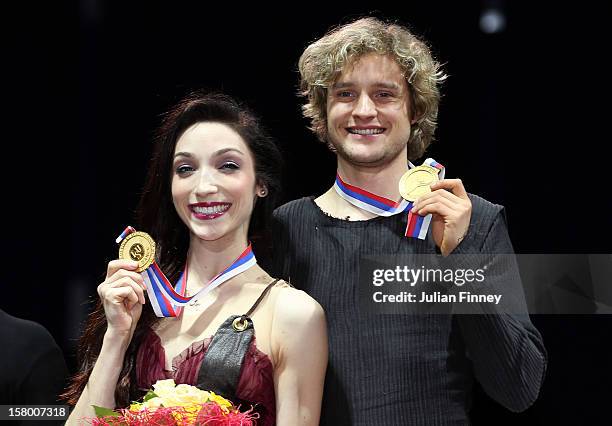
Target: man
32, 366
372, 96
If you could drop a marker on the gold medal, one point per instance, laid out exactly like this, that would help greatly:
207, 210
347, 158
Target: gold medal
416, 181
138, 246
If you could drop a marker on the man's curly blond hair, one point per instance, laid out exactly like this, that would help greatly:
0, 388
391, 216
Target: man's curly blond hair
323, 61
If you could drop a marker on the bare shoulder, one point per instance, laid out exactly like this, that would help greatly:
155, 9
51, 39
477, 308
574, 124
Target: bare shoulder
299, 328
295, 307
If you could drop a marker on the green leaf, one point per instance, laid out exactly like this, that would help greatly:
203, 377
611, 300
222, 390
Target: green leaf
108, 415
148, 396
104, 412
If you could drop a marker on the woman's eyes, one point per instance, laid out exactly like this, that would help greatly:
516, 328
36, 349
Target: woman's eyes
183, 169
229, 165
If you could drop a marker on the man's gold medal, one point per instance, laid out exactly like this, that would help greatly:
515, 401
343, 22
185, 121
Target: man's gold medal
416, 181
138, 246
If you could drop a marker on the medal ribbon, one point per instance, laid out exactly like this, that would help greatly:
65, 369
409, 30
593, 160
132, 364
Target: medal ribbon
416, 226
168, 300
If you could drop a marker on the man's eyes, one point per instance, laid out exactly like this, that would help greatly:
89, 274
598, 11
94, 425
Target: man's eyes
344, 94
378, 95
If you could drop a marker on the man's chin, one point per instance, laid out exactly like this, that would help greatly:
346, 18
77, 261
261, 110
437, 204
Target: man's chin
363, 159
367, 155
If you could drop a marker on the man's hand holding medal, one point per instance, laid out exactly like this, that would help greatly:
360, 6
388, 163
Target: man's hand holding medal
445, 199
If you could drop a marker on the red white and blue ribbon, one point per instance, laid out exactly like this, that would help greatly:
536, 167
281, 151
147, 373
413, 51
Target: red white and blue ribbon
416, 225
369, 201
168, 300
124, 234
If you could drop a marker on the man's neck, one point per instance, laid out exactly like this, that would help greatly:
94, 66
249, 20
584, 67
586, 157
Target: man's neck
382, 181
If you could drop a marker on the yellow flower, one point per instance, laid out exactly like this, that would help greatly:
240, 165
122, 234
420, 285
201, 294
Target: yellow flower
136, 406
153, 403
163, 388
190, 398
189, 416
222, 402
187, 394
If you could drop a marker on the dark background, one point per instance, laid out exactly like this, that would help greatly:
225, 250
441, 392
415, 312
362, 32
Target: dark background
523, 122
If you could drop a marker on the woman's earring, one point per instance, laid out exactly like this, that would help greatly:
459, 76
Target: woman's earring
263, 192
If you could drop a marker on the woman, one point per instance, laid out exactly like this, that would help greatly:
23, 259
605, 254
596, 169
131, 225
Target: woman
211, 186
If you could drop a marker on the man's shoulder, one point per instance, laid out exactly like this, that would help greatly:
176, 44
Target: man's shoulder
301, 206
25, 335
484, 212
482, 206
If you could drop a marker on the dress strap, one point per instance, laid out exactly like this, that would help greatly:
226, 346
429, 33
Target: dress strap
222, 363
260, 298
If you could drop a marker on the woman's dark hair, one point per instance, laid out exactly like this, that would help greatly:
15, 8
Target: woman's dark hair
157, 216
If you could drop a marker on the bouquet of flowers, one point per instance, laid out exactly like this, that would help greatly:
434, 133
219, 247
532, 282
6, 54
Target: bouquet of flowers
181, 405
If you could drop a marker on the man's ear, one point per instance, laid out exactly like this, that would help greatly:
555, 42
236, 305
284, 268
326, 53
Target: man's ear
415, 115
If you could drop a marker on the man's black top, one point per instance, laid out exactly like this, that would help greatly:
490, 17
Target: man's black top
404, 369
32, 366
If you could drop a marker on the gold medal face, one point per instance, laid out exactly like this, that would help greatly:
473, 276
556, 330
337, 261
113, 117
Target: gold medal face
416, 181
138, 246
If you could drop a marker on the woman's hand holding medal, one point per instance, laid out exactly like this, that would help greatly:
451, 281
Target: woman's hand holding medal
451, 208
122, 294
